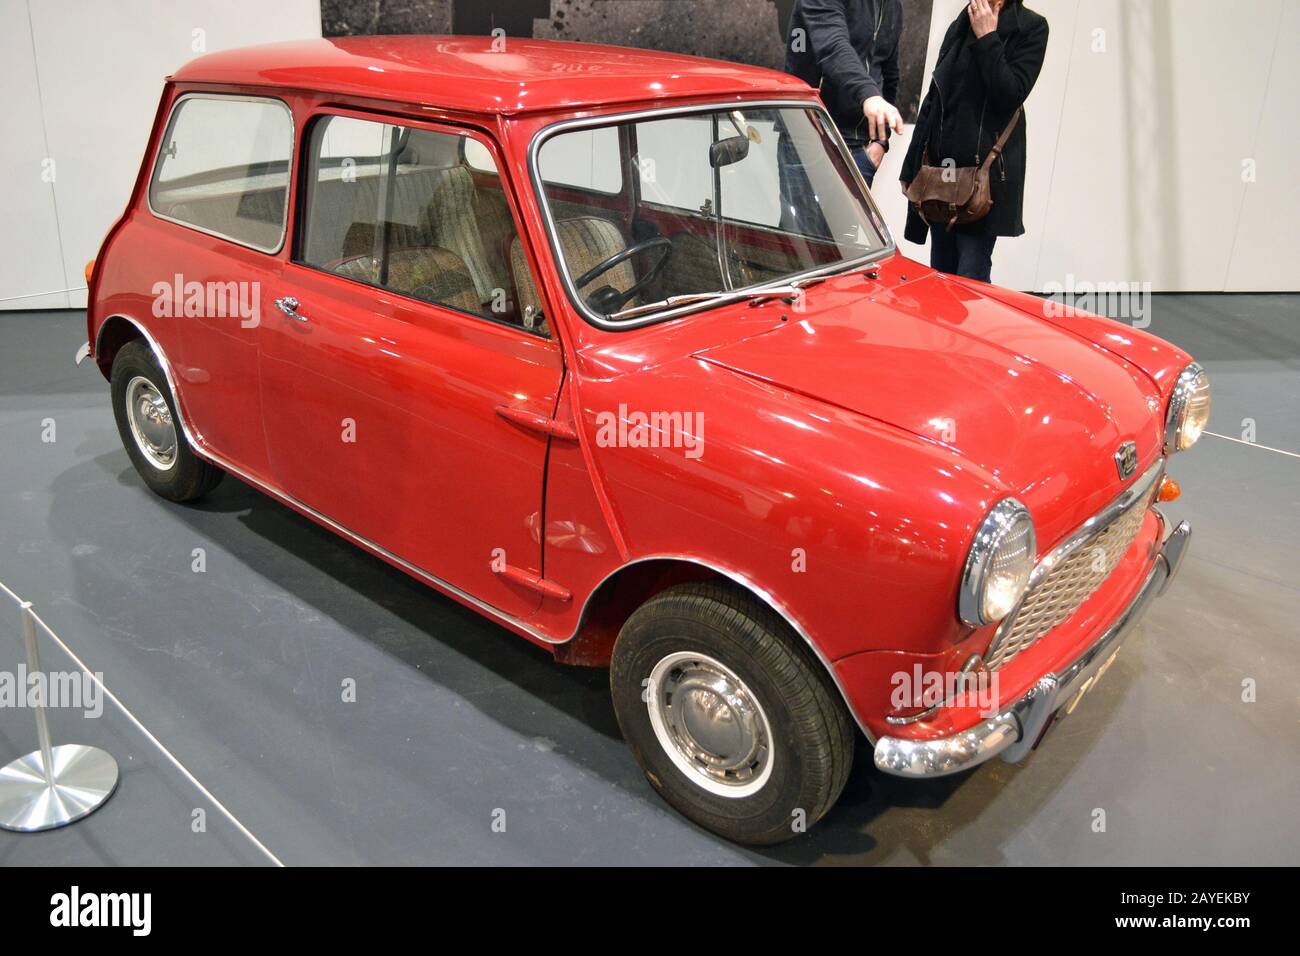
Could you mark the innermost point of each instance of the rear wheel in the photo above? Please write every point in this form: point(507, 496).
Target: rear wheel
point(730, 717)
point(146, 419)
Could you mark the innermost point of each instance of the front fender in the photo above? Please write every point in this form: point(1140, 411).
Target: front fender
point(858, 529)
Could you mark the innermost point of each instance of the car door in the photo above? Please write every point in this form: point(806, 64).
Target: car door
point(218, 195)
point(398, 365)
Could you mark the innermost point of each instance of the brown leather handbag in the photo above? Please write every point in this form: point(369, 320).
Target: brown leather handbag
point(956, 195)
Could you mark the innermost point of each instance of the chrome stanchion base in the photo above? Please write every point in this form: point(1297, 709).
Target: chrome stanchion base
point(84, 777)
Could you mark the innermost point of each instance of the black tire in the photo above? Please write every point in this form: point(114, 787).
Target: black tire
point(812, 733)
point(189, 477)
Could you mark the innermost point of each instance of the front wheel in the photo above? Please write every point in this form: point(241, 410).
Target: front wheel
point(730, 717)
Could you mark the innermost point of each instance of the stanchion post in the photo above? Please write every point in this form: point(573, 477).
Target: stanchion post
point(53, 786)
point(34, 667)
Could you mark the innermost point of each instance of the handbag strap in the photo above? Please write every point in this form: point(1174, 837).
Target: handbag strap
point(1002, 140)
point(993, 153)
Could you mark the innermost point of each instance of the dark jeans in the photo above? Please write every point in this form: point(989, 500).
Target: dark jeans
point(800, 211)
point(959, 254)
point(859, 153)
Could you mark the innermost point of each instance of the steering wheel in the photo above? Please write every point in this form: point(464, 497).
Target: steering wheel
point(607, 299)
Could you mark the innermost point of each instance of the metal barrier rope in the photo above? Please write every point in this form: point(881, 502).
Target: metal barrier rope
point(58, 776)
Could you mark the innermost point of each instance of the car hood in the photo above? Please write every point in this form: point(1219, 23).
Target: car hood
point(1039, 408)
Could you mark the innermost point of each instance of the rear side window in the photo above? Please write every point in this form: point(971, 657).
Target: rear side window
point(223, 168)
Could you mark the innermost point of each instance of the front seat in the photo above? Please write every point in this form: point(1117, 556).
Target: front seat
point(454, 225)
point(430, 273)
point(586, 242)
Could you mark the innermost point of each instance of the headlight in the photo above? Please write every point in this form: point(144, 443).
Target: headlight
point(999, 564)
point(1189, 409)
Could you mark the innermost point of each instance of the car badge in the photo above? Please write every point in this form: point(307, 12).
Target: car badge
point(1126, 459)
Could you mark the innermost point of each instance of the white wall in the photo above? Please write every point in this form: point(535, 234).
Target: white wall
point(82, 80)
point(1136, 147)
point(1135, 152)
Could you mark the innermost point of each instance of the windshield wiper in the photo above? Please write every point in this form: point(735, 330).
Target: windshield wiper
point(670, 303)
point(756, 296)
point(792, 288)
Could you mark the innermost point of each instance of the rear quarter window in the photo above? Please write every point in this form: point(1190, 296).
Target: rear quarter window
point(223, 168)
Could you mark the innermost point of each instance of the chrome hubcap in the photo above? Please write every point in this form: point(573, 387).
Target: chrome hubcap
point(151, 423)
point(710, 724)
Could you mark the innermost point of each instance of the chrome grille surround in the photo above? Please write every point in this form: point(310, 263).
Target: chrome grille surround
point(1070, 574)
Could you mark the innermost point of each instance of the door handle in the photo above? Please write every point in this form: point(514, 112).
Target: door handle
point(289, 306)
point(538, 422)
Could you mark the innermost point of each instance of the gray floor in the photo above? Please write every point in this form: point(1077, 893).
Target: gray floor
point(238, 671)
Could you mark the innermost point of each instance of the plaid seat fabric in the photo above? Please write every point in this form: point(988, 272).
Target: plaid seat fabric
point(693, 266)
point(454, 226)
point(586, 241)
point(496, 228)
point(433, 274)
point(363, 268)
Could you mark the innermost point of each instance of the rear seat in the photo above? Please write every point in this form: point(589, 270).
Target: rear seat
point(434, 208)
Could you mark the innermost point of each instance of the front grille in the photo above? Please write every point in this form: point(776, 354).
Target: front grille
point(1064, 588)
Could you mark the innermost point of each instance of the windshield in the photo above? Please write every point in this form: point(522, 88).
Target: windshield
point(693, 209)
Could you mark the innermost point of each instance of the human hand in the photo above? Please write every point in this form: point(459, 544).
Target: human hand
point(881, 117)
point(876, 152)
point(983, 16)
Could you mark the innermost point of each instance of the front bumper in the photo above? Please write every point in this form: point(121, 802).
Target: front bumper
point(1016, 730)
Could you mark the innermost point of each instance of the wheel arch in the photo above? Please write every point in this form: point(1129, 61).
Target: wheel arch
point(118, 330)
point(113, 333)
point(630, 585)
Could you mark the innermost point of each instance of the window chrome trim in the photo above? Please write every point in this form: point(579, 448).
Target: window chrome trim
point(988, 538)
point(1178, 399)
point(289, 172)
point(611, 119)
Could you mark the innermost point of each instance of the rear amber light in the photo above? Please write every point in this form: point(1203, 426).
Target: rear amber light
point(1169, 490)
point(90, 270)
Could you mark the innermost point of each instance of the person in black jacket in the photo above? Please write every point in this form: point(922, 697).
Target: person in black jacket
point(988, 62)
point(848, 49)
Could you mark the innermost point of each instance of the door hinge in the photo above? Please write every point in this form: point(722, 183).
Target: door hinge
point(535, 582)
point(537, 422)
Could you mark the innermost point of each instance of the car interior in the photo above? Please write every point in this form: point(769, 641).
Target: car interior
point(423, 213)
point(693, 203)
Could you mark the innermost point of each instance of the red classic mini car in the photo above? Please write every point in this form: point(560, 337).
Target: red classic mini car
point(614, 347)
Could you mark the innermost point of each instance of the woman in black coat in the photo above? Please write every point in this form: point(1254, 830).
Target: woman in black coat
point(988, 62)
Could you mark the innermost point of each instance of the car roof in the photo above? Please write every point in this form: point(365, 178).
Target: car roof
point(462, 73)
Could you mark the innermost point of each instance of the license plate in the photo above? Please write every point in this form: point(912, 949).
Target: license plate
point(1068, 708)
point(1089, 684)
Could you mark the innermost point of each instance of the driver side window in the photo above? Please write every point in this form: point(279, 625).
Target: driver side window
point(415, 212)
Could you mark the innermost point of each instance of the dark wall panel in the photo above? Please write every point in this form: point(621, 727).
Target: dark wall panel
point(744, 31)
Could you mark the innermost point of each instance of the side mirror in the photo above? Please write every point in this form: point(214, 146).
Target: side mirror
point(727, 151)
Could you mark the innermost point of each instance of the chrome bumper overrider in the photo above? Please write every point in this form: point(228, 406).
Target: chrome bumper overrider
point(1014, 732)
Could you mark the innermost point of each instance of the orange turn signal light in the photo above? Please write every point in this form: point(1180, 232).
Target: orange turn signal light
point(90, 270)
point(1169, 490)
